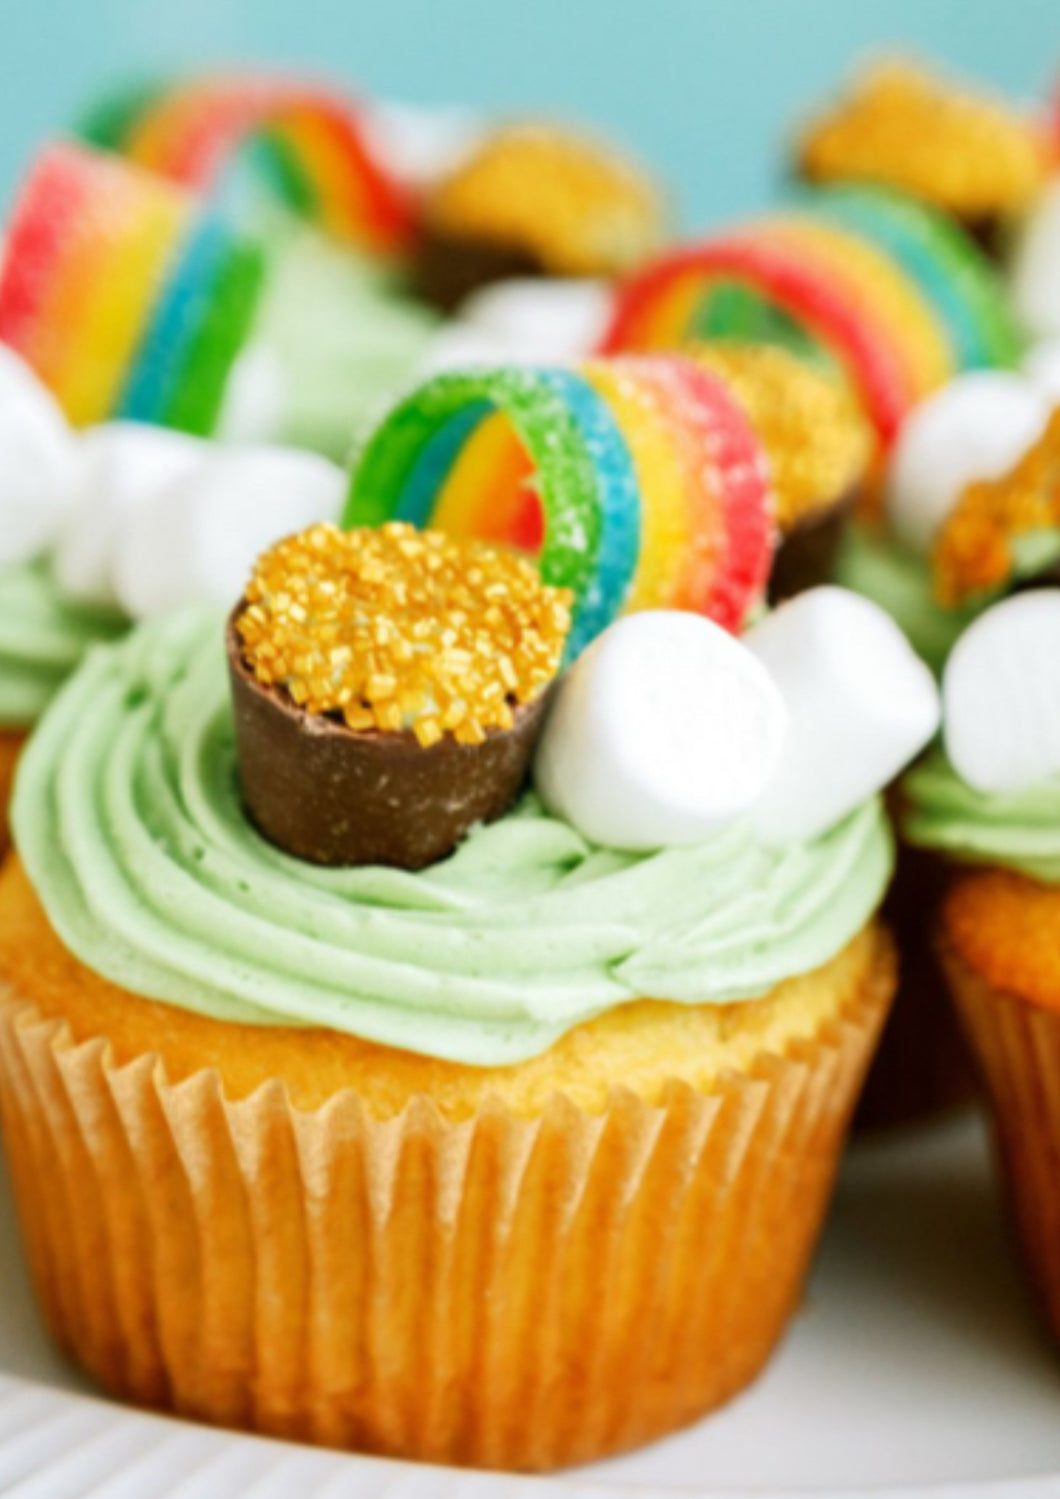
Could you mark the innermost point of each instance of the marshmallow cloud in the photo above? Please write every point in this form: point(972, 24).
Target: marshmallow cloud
point(1001, 695)
point(531, 321)
point(665, 730)
point(38, 460)
point(199, 538)
point(976, 427)
point(860, 705)
point(1035, 273)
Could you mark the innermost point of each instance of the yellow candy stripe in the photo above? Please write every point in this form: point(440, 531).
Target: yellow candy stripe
point(879, 285)
point(137, 236)
point(653, 439)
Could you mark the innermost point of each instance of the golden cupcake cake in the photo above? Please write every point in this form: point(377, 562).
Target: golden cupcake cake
point(416, 959)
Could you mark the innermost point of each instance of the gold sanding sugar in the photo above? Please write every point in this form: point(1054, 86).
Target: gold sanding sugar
point(819, 443)
point(578, 207)
point(974, 550)
point(903, 127)
point(397, 628)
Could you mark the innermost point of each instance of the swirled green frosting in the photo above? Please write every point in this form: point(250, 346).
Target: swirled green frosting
point(42, 639)
point(128, 818)
point(1019, 830)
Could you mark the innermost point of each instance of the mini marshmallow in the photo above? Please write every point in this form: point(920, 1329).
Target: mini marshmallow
point(665, 730)
point(1041, 365)
point(976, 427)
point(420, 145)
point(544, 319)
point(256, 398)
point(199, 541)
point(861, 704)
point(459, 346)
point(1001, 695)
point(122, 468)
point(37, 463)
point(1034, 283)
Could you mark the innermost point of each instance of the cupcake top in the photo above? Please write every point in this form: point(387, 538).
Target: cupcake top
point(900, 126)
point(574, 207)
point(818, 442)
point(991, 793)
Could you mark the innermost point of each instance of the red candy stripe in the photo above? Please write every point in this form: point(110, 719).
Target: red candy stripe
point(50, 203)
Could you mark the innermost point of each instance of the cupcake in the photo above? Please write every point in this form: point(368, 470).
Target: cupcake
point(363, 1132)
point(972, 157)
point(988, 805)
point(534, 199)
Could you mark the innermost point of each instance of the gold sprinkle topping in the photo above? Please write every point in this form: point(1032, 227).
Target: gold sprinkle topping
point(974, 550)
point(902, 127)
point(576, 206)
point(397, 628)
point(819, 443)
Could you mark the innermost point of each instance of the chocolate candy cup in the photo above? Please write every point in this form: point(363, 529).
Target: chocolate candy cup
point(807, 555)
point(333, 795)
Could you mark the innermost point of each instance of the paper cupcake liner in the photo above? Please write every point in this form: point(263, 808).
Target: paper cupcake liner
point(1017, 1047)
point(921, 1070)
point(10, 745)
point(503, 1292)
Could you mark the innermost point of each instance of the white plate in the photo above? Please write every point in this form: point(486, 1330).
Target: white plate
point(916, 1362)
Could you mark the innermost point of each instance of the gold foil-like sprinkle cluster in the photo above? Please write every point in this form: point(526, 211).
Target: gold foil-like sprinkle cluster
point(397, 629)
point(819, 443)
point(974, 551)
point(903, 128)
point(576, 206)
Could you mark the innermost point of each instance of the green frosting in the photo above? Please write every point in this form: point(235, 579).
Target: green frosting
point(347, 335)
point(42, 639)
point(1020, 830)
point(900, 582)
point(128, 818)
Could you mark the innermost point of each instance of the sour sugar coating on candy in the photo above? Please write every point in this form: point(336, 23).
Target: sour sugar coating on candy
point(38, 463)
point(974, 428)
point(1001, 695)
point(663, 732)
point(860, 703)
point(127, 297)
point(396, 629)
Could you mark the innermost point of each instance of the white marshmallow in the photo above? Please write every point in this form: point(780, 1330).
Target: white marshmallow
point(122, 467)
point(459, 346)
point(1041, 365)
point(1001, 695)
point(256, 398)
point(1034, 283)
point(662, 732)
point(974, 428)
point(37, 462)
point(861, 704)
point(199, 541)
point(420, 145)
point(543, 318)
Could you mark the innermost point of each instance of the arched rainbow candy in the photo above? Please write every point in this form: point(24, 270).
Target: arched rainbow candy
point(123, 293)
point(307, 142)
point(662, 308)
point(651, 487)
point(951, 271)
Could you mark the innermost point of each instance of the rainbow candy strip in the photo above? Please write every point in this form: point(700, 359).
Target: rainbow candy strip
point(125, 295)
point(889, 293)
point(639, 482)
point(308, 143)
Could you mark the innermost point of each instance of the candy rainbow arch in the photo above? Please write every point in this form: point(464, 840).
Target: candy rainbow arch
point(886, 291)
point(309, 142)
point(128, 297)
point(639, 483)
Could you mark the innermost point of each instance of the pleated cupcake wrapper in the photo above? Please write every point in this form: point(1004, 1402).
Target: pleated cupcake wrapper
point(1017, 1048)
point(500, 1291)
point(10, 746)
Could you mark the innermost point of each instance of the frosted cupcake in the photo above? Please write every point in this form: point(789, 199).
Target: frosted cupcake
point(989, 806)
point(366, 1135)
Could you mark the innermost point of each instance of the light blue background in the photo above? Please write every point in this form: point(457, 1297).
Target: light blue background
point(704, 88)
